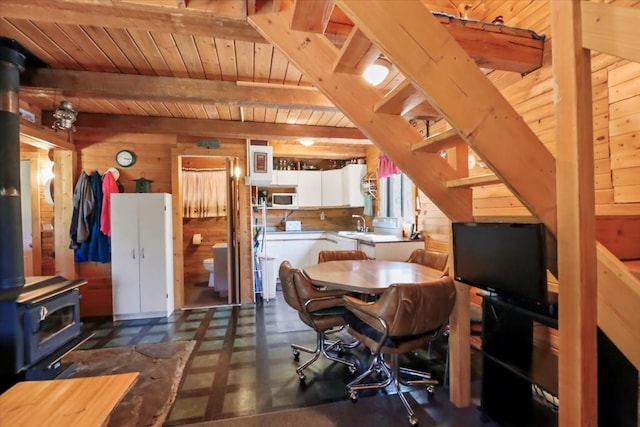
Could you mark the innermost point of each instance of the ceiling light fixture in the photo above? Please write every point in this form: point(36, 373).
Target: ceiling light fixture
point(307, 142)
point(377, 72)
point(64, 117)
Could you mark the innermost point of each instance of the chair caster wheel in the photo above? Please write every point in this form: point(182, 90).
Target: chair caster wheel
point(352, 370)
point(413, 421)
point(296, 355)
point(353, 396)
point(302, 377)
point(431, 390)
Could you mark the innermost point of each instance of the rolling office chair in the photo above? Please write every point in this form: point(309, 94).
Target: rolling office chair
point(430, 258)
point(440, 261)
point(322, 310)
point(406, 317)
point(324, 256)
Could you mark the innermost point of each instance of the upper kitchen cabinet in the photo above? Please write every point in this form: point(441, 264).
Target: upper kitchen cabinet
point(352, 176)
point(332, 187)
point(309, 188)
point(285, 177)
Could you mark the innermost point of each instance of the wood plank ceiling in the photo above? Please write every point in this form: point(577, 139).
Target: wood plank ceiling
point(196, 67)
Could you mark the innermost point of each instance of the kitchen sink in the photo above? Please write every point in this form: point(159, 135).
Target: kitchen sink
point(351, 233)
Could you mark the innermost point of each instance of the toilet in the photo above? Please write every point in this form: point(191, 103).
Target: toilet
point(208, 265)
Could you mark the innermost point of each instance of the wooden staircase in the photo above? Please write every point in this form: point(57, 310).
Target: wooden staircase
point(442, 80)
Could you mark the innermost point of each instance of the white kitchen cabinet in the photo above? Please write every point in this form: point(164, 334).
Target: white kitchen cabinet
point(391, 251)
point(315, 247)
point(337, 243)
point(352, 175)
point(309, 188)
point(332, 187)
point(285, 178)
point(141, 255)
point(296, 252)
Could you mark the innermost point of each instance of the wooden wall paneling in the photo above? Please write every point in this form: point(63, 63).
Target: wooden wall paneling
point(64, 167)
point(622, 90)
point(602, 181)
point(601, 148)
point(604, 197)
point(212, 230)
point(627, 176)
point(620, 235)
point(96, 294)
point(152, 162)
point(627, 194)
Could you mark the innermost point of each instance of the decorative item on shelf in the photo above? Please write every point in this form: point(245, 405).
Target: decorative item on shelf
point(125, 158)
point(143, 185)
point(64, 117)
point(368, 186)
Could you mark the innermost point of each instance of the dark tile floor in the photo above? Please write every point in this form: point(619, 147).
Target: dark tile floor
point(242, 363)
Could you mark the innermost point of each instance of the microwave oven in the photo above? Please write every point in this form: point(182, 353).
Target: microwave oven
point(284, 200)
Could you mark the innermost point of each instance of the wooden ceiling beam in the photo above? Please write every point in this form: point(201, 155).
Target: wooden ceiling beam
point(44, 138)
point(312, 16)
point(491, 46)
point(611, 29)
point(87, 84)
point(211, 128)
point(146, 17)
point(317, 150)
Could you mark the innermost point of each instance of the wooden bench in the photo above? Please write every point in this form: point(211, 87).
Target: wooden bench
point(82, 402)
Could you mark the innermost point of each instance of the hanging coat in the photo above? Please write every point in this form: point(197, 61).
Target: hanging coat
point(83, 211)
point(98, 248)
point(109, 186)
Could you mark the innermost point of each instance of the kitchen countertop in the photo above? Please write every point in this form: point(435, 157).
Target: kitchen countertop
point(364, 237)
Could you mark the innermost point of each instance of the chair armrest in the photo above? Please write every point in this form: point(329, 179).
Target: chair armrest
point(367, 312)
point(323, 302)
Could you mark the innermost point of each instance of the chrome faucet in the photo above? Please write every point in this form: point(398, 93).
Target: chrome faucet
point(361, 224)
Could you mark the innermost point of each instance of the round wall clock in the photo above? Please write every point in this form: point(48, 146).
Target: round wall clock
point(125, 158)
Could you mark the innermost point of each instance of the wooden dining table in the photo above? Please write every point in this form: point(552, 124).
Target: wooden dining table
point(368, 276)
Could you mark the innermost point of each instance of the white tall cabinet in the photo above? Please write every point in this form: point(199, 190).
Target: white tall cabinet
point(141, 255)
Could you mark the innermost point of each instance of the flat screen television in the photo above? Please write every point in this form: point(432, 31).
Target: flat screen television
point(506, 258)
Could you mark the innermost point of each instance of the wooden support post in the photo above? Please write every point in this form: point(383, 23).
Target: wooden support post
point(578, 391)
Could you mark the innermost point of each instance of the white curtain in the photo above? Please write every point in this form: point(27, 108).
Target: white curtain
point(204, 193)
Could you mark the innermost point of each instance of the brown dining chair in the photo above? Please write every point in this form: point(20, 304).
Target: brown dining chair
point(406, 317)
point(434, 259)
point(339, 255)
point(322, 310)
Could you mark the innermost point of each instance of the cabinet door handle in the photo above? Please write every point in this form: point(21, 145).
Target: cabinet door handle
point(142, 253)
point(133, 253)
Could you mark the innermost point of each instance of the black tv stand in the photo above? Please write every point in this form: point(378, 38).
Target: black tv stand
point(512, 365)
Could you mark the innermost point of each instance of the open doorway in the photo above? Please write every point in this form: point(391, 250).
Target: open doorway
point(208, 199)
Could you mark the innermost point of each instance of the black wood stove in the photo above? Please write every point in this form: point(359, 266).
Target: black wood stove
point(39, 323)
